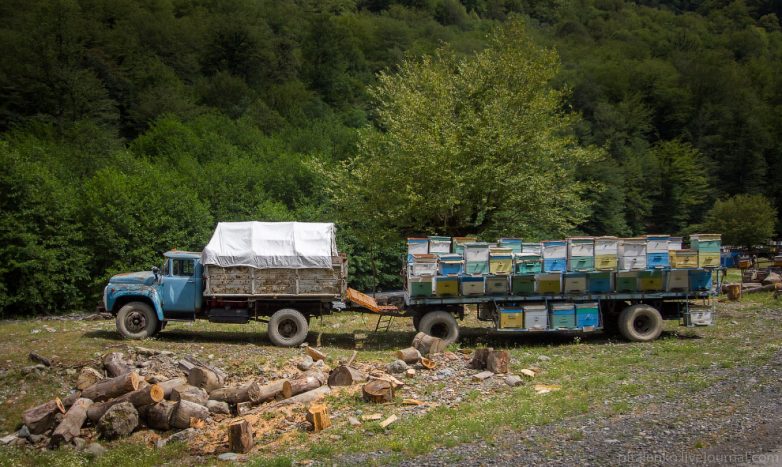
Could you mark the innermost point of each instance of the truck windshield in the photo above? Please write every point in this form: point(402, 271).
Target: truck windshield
point(165, 266)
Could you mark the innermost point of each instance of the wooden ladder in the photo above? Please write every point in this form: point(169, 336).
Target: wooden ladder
point(384, 323)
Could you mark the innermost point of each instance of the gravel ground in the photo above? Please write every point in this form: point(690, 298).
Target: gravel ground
point(735, 421)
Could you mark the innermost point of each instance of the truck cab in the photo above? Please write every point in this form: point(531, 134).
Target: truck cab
point(143, 301)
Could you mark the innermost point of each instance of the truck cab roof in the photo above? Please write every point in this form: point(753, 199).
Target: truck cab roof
point(182, 254)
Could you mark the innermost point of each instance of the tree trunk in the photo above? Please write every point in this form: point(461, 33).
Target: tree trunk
point(318, 416)
point(307, 382)
point(115, 365)
point(41, 418)
point(170, 384)
point(68, 400)
point(189, 393)
point(427, 344)
point(497, 361)
point(378, 391)
point(70, 427)
point(237, 394)
point(112, 387)
point(151, 394)
point(479, 359)
point(203, 378)
point(409, 355)
point(240, 435)
point(120, 420)
point(344, 375)
point(87, 377)
point(308, 396)
point(158, 415)
point(185, 411)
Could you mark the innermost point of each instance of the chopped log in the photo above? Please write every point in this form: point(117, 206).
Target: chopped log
point(68, 400)
point(344, 375)
point(39, 359)
point(427, 363)
point(237, 394)
point(218, 407)
point(189, 393)
point(240, 435)
point(409, 355)
point(352, 358)
point(307, 397)
point(112, 387)
point(315, 353)
point(482, 375)
point(479, 359)
point(170, 384)
point(307, 382)
point(203, 378)
point(396, 383)
point(41, 418)
point(70, 426)
point(280, 389)
point(410, 372)
point(765, 288)
point(87, 377)
point(497, 361)
point(318, 416)
point(377, 391)
point(243, 407)
point(119, 420)
point(191, 362)
point(148, 395)
point(427, 344)
point(159, 415)
point(115, 365)
point(185, 411)
point(388, 421)
point(185, 366)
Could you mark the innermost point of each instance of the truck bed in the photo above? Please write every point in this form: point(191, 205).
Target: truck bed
point(312, 283)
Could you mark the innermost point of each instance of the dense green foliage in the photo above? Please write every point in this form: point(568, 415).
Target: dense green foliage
point(743, 220)
point(128, 127)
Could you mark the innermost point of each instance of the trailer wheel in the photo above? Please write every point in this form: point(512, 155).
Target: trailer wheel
point(640, 323)
point(440, 324)
point(137, 320)
point(417, 321)
point(288, 328)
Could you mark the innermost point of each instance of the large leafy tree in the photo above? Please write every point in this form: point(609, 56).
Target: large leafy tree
point(468, 145)
point(743, 220)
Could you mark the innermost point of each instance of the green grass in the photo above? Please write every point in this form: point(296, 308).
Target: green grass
point(599, 377)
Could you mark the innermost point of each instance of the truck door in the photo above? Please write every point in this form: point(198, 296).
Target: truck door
point(180, 288)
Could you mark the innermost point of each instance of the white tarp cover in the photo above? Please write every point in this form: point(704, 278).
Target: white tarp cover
point(264, 245)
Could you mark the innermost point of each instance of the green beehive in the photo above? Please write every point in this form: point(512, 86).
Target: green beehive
point(523, 284)
point(563, 316)
point(549, 282)
point(420, 286)
point(627, 281)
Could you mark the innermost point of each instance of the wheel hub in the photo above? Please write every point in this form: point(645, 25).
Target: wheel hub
point(288, 328)
point(642, 324)
point(136, 321)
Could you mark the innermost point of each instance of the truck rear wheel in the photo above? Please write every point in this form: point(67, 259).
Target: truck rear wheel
point(640, 323)
point(288, 328)
point(137, 320)
point(440, 324)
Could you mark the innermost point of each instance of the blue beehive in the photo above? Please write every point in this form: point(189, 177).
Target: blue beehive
point(599, 282)
point(513, 243)
point(587, 315)
point(416, 246)
point(700, 280)
point(563, 316)
point(657, 260)
point(555, 265)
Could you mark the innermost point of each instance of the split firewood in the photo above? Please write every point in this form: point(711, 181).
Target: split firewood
point(170, 384)
point(189, 393)
point(68, 400)
point(159, 415)
point(112, 387)
point(204, 378)
point(148, 395)
point(352, 358)
point(87, 377)
point(482, 375)
point(377, 391)
point(70, 426)
point(427, 344)
point(386, 377)
point(344, 375)
point(480, 358)
point(41, 418)
point(310, 380)
point(497, 361)
point(318, 416)
point(409, 355)
point(240, 436)
point(427, 363)
point(115, 364)
point(315, 353)
point(185, 411)
point(527, 372)
point(34, 357)
point(388, 421)
point(243, 407)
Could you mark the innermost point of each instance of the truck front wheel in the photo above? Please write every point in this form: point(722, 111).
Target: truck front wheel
point(640, 323)
point(137, 320)
point(288, 328)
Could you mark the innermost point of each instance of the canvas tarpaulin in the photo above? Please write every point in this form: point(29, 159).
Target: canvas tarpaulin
point(265, 245)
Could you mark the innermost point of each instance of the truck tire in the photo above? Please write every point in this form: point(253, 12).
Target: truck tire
point(137, 320)
point(417, 321)
point(288, 328)
point(640, 323)
point(440, 324)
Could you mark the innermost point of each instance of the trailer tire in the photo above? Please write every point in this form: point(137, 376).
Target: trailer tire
point(440, 324)
point(640, 323)
point(137, 320)
point(417, 321)
point(288, 328)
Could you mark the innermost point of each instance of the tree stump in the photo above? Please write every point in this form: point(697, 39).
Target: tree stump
point(428, 345)
point(409, 355)
point(112, 387)
point(159, 415)
point(479, 358)
point(378, 391)
point(185, 411)
point(203, 378)
point(70, 426)
point(87, 377)
point(115, 365)
point(318, 416)
point(240, 435)
point(344, 375)
point(497, 361)
point(41, 418)
point(170, 384)
point(151, 394)
point(189, 393)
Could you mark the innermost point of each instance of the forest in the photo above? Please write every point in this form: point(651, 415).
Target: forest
point(128, 128)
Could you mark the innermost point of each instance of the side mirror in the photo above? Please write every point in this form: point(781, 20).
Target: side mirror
point(156, 272)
